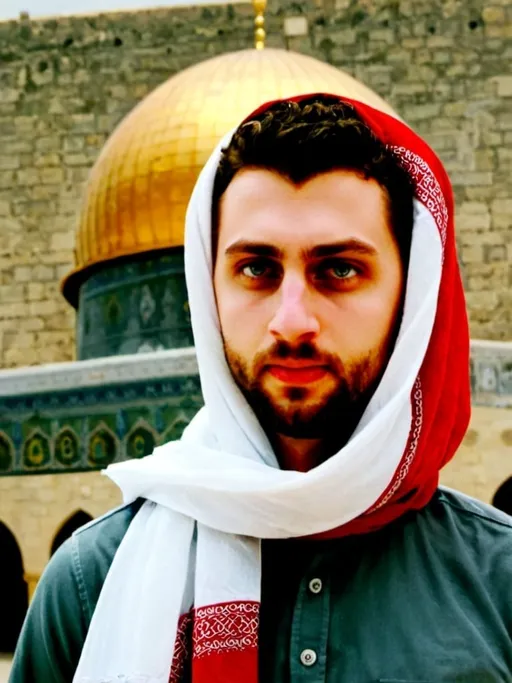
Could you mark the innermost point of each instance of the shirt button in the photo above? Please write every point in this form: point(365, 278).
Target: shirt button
point(315, 586)
point(308, 657)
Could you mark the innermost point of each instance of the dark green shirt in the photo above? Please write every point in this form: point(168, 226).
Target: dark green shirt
point(427, 599)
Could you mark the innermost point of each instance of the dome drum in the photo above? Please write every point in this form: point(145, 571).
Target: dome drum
point(134, 306)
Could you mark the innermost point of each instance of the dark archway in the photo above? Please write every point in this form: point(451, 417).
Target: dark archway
point(503, 497)
point(13, 591)
point(74, 522)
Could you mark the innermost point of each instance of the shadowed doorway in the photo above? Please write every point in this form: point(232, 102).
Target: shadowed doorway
point(73, 523)
point(13, 590)
point(503, 497)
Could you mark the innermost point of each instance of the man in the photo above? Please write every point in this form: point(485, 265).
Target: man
point(297, 533)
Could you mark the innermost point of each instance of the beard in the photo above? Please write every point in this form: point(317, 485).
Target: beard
point(292, 411)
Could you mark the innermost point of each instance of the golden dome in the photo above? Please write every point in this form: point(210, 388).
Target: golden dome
point(138, 190)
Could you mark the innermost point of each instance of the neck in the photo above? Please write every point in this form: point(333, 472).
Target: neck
point(301, 455)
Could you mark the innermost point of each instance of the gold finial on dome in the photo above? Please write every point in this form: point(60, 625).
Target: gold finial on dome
point(259, 22)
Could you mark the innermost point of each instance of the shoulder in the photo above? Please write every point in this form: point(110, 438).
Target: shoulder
point(91, 550)
point(468, 509)
point(475, 534)
point(56, 625)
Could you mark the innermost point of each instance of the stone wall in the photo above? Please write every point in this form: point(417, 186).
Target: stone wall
point(65, 83)
point(35, 509)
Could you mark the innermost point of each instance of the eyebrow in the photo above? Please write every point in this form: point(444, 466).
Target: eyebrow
point(318, 251)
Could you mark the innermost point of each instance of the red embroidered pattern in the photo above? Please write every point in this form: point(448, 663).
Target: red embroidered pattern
point(428, 188)
point(225, 627)
point(181, 648)
point(412, 445)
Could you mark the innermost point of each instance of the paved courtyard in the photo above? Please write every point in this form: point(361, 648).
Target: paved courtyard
point(5, 665)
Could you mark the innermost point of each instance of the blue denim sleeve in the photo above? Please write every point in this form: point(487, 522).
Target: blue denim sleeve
point(56, 624)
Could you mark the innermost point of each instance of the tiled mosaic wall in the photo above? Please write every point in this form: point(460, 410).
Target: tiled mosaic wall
point(64, 85)
point(88, 428)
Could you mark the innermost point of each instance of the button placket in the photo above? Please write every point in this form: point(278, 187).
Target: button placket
point(310, 627)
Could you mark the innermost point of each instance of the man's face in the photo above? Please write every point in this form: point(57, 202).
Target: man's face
point(308, 282)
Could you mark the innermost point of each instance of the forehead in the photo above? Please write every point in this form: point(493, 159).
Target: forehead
point(261, 205)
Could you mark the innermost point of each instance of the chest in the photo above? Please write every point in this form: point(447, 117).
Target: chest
point(340, 617)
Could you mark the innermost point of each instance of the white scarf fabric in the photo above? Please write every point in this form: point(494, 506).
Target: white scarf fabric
point(213, 495)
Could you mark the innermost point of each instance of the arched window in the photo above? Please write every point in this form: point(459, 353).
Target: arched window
point(13, 590)
point(503, 497)
point(73, 523)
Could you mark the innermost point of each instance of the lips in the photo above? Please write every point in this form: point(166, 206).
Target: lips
point(300, 374)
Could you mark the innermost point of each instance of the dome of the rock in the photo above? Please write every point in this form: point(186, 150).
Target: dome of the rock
point(138, 190)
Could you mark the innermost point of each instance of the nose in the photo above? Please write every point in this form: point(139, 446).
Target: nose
point(294, 320)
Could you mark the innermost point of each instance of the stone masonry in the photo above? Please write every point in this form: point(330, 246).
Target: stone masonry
point(65, 83)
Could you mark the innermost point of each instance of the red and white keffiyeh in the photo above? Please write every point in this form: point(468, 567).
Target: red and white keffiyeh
point(185, 582)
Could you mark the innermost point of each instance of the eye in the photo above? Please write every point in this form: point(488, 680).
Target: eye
point(254, 270)
point(259, 269)
point(337, 270)
point(342, 271)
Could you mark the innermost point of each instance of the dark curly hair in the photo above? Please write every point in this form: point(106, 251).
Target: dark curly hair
point(302, 139)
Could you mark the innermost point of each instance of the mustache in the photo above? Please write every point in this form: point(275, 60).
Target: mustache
point(282, 350)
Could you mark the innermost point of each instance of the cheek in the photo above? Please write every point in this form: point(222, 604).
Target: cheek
point(364, 320)
point(241, 319)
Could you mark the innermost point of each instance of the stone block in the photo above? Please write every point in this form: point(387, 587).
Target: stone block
point(62, 240)
point(52, 176)
point(472, 254)
point(477, 192)
point(13, 310)
point(502, 206)
point(504, 85)
point(22, 274)
point(82, 123)
point(12, 293)
point(493, 15)
point(10, 95)
point(42, 273)
point(35, 291)
point(421, 112)
point(504, 154)
point(19, 340)
point(5, 207)
point(28, 177)
point(409, 88)
point(383, 35)
point(78, 159)
point(7, 180)
point(471, 178)
point(31, 324)
point(501, 221)
point(53, 258)
point(46, 191)
point(494, 253)
point(9, 162)
point(295, 26)
point(43, 308)
point(472, 208)
point(73, 144)
point(48, 143)
point(45, 160)
point(476, 221)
